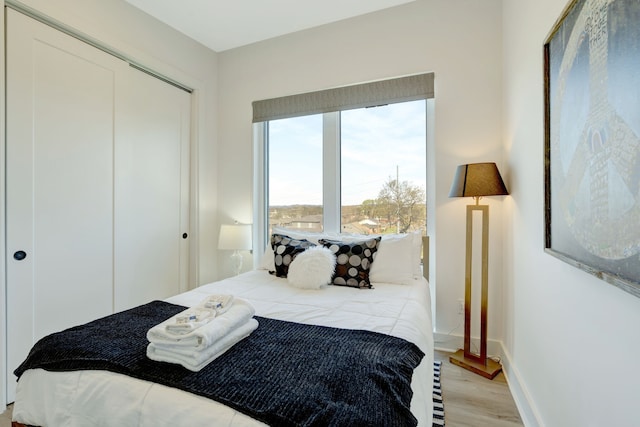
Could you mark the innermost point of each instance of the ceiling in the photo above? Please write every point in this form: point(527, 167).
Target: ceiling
point(226, 24)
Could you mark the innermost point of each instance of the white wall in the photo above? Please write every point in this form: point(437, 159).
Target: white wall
point(155, 45)
point(459, 40)
point(572, 339)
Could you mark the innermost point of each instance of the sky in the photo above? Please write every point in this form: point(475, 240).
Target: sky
point(376, 144)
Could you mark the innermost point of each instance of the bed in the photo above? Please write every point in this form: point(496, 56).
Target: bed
point(397, 305)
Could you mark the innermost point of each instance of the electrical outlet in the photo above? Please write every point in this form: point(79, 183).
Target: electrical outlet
point(460, 306)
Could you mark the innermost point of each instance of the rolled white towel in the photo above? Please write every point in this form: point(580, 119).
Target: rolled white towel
point(199, 315)
point(237, 314)
point(220, 303)
point(190, 320)
point(195, 360)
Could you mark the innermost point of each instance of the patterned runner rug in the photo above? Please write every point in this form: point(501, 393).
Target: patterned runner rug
point(438, 406)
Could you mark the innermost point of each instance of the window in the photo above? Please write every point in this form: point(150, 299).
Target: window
point(352, 165)
point(295, 172)
point(382, 170)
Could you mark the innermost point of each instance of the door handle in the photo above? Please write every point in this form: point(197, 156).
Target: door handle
point(19, 255)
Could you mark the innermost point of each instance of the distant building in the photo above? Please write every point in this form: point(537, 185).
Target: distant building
point(306, 223)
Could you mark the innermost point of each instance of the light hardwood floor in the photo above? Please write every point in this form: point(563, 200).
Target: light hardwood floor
point(469, 399)
point(474, 401)
point(5, 418)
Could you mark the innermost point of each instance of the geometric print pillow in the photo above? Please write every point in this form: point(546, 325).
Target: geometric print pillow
point(353, 261)
point(285, 250)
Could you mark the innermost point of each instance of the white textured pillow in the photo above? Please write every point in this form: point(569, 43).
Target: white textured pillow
point(312, 269)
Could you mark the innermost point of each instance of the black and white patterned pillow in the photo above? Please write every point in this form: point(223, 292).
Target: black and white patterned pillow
point(353, 261)
point(285, 250)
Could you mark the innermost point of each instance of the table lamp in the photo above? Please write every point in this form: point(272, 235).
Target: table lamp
point(235, 237)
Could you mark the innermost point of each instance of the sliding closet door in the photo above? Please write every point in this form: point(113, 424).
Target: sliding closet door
point(97, 185)
point(151, 190)
point(60, 131)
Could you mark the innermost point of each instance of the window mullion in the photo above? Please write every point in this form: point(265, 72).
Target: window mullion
point(331, 171)
point(261, 184)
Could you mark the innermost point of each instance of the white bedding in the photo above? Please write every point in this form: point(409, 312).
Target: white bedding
point(92, 398)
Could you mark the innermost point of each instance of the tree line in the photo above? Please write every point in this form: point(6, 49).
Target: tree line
point(399, 206)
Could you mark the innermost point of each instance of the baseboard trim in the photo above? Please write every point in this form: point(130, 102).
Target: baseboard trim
point(526, 407)
point(524, 402)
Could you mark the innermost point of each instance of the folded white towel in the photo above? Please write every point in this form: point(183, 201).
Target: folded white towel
point(196, 360)
point(237, 314)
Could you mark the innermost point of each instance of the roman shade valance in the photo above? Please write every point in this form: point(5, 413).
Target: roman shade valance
point(402, 89)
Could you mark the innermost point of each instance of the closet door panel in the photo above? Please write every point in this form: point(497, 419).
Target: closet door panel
point(60, 121)
point(151, 190)
point(72, 189)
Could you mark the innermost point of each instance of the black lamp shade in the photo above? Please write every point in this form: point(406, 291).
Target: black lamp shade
point(477, 180)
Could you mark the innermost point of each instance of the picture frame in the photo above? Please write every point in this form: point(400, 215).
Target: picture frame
point(592, 140)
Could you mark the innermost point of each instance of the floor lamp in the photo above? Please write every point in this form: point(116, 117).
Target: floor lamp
point(477, 180)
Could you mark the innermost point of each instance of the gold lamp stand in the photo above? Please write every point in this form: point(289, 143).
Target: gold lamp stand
point(477, 180)
point(478, 363)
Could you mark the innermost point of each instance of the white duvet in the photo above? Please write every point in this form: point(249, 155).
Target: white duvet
point(99, 398)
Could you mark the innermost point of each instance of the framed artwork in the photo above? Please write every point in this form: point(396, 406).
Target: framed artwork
point(592, 139)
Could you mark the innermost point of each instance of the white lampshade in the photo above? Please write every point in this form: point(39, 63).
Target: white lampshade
point(235, 237)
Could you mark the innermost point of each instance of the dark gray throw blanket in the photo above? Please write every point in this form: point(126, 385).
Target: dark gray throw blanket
point(284, 373)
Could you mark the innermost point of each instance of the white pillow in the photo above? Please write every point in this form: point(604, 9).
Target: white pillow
point(312, 269)
point(313, 237)
point(394, 261)
point(268, 259)
point(417, 254)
